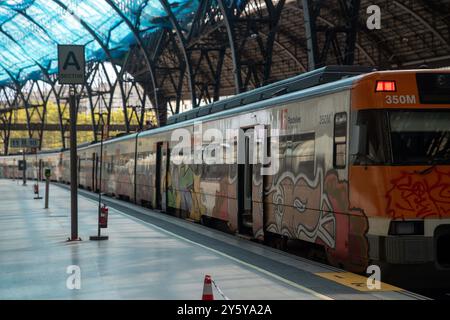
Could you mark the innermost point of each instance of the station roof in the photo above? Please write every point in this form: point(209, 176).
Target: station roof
point(31, 29)
point(413, 33)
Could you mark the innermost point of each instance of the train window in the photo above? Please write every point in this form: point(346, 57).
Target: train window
point(284, 151)
point(434, 88)
point(303, 152)
point(340, 141)
point(376, 141)
point(420, 137)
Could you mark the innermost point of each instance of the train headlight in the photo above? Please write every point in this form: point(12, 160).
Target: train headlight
point(404, 228)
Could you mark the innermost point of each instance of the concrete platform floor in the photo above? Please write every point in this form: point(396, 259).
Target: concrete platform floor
point(149, 255)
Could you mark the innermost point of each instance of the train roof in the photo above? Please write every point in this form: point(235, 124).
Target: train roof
point(316, 82)
point(303, 81)
point(326, 88)
point(320, 81)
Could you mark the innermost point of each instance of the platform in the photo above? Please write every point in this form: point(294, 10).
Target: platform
point(149, 255)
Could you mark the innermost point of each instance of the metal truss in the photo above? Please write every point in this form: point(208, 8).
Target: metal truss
point(188, 59)
point(318, 53)
point(223, 48)
point(8, 100)
point(33, 96)
point(192, 58)
point(99, 94)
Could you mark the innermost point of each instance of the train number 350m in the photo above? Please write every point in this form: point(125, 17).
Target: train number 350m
point(401, 99)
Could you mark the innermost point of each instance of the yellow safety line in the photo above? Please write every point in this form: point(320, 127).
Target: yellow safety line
point(356, 281)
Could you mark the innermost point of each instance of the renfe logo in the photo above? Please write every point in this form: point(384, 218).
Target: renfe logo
point(249, 146)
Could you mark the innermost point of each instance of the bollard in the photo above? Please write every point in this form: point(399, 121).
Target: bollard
point(36, 191)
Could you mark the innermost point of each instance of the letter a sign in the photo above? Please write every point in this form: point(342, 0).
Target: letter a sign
point(71, 62)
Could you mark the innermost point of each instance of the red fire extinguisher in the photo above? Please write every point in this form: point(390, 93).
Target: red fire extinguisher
point(103, 219)
point(36, 189)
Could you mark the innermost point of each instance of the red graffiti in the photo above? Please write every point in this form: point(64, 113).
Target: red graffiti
point(419, 195)
point(352, 248)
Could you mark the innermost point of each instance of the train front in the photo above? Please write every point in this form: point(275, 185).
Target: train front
point(400, 173)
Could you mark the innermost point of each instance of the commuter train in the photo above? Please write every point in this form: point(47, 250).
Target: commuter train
point(360, 159)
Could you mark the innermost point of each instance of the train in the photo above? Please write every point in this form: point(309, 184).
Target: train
point(355, 162)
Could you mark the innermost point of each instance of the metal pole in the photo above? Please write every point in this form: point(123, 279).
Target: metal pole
point(99, 237)
point(38, 178)
point(73, 165)
point(100, 188)
point(47, 187)
point(24, 171)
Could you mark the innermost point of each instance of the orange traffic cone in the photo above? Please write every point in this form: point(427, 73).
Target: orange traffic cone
point(207, 289)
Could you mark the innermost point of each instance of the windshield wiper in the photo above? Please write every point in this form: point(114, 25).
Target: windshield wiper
point(434, 163)
point(427, 170)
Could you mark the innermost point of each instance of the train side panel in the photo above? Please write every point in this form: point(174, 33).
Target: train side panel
point(118, 168)
point(145, 171)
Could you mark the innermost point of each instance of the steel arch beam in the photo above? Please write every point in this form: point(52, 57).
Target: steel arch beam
point(351, 11)
point(139, 41)
point(423, 22)
point(26, 16)
point(43, 70)
point(46, 75)
point(183, 47)
point(19, 93)
point(105, 49)
point(358, 46)
point(6, 140)
point(232, 41)
point(311, 13)
point(287, 51)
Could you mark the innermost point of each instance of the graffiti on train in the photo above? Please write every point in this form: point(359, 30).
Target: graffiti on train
point(419, 194)
point(317, 210)
point(197, 190)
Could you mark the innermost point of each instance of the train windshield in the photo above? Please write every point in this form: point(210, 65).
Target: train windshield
point(402, 137)
point(420, 137)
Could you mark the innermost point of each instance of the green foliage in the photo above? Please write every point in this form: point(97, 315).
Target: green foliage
point(53, 139)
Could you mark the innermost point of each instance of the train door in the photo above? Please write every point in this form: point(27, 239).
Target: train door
point(161, 175)
point(245, 188)
point(158, 175)
point(255, 144)
point(262, 148)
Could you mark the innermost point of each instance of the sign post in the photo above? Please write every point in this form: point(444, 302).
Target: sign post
point(102, 210)
point(23, 144)
point(24, 169)
point(38, 178)
point(72, 65)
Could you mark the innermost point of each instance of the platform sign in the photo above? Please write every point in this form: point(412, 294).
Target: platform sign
point(71, 64)
point(24, 143)
point(22, 165)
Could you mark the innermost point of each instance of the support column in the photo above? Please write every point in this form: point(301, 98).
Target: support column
point(73, 165)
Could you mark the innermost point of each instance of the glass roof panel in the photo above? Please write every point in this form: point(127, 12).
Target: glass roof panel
point(30, 30)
